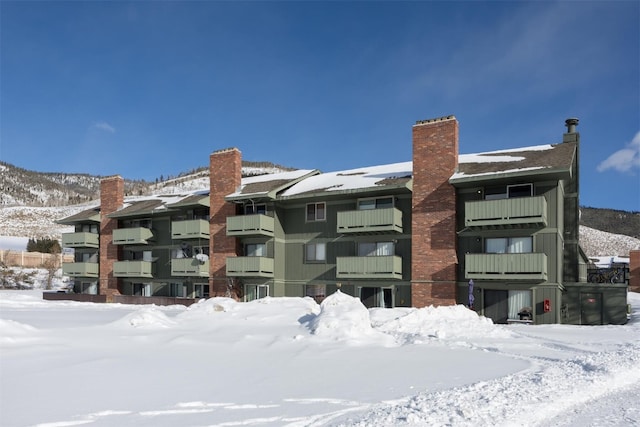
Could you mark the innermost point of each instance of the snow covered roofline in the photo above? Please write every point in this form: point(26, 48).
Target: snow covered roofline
point(267, 186)
point(547, 159)
point(384, 177)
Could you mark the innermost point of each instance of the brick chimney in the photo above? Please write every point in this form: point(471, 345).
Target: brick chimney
point(111, 199)
point(433, 212)
point(225, 170)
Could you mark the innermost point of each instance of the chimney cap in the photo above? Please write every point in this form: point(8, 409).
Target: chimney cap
point(571, 124)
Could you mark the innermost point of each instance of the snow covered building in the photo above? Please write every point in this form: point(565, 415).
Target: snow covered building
point(496, 231)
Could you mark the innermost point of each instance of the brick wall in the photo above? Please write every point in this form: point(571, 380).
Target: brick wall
point(111, 199)
point(433, 242)
point(634, 271)
point(225, 167)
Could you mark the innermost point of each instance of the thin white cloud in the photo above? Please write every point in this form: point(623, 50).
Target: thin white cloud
point(104, 126)
point(624, 160)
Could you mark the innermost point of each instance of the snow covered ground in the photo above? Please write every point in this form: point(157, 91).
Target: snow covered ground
point(291, 362)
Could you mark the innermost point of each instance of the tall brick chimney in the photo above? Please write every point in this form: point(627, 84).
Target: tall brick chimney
point(111, 199)
point(433, 212)
point(225, 175)
point(634, 271)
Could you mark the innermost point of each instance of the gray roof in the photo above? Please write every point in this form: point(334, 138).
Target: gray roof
point(556, 160)
point(89, 215)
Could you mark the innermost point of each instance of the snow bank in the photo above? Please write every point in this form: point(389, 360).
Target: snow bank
point(416, 326)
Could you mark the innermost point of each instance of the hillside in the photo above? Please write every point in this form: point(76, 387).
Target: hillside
point(22, 187)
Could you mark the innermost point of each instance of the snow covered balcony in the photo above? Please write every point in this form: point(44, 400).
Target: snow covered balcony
point(250, 225)
point(388, 220)
point(142, 269)
point(524, 266)
point(189, 267)
point(506, 213)
point(132, 236)
point(80, 240)
point(190, 229)
point(250, 266)
point(369, 267)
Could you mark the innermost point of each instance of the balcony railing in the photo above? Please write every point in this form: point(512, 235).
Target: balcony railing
point(250, 266)
point(133, 269)
point(250, 225)
point(81, 269)
point(189, 267)
point(190, 229)
point(505, 213)
point(388, 220)
point(529, 266)
point(132, 236)
point(369, 267)
point(80, 240)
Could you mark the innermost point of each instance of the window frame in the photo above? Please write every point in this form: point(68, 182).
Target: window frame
point(508, 244)
point(375, 203)
point(314, 214)
point(315, 259)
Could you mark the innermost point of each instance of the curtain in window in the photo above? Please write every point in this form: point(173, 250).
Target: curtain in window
point(517, 301)
point(384, 249)
point(520, 245)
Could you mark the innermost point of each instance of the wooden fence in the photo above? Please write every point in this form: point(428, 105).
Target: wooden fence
point(32, 259)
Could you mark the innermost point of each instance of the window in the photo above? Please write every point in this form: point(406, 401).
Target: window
point(201, 290)
point(89, 288)
point(315, 252)
point(509, 245)
point(316, 211)
point(253, 292)
point(520, 305)
point(379, 203)
point(508, 192)
point(255, 249)
point(142, 289)
point(317, 292)
point(376, 249)
point(178, 290)
point(252, 209)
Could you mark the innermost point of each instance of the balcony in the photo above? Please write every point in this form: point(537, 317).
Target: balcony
point(80, 240)
point(190, 229)
point(189, 267)
point(388, 220)
point(250, 225)
point(529, 266)
point(133, 269)
point(81, 269)
point(132, 236)
point(506, 213)
point(250, 266)
point(369, 267)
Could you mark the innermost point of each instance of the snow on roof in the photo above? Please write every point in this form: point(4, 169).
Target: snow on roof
point(367, 177)
point(556, 158)
point(263, 184)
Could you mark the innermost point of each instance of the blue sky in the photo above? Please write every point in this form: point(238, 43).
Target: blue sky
point(148, 88)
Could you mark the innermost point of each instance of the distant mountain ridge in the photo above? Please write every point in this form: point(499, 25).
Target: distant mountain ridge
point(24, 188)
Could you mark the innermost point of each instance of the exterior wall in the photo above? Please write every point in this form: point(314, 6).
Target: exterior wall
point(111, 199)
point(634, 271)
point(293, 232)
point(433, 213)
point(225, 169)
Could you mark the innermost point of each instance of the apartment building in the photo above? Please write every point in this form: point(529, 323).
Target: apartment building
point(495, 231)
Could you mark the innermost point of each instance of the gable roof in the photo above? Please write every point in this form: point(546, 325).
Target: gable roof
point(88, 215)
point(372, 178)
point(556, 160)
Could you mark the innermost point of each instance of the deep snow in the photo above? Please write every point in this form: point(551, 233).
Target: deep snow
point(291, 362)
